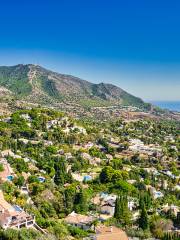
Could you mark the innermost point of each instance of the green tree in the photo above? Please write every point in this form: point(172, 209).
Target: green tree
point(122, 213)
point(106, 174)
point(9, 234)
point(19, 181)
point(60, 171)
point(36, 188)
point(143, 220)
point(81, 204)
point(145, 199)
point(1, 167)
point(59, 230)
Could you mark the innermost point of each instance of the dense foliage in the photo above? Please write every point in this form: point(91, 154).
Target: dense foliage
point(62, 150)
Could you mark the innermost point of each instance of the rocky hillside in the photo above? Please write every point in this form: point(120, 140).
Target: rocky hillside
point(35, 84)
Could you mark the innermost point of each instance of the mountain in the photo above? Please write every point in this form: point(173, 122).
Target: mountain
point(33, 83)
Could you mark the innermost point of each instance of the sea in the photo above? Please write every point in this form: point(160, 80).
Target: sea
point(170, 105)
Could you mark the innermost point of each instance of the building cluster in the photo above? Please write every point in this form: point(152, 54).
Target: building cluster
point(102, 232)
point(13, 216)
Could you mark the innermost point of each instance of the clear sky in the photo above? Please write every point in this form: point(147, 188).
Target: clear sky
point(134, 44)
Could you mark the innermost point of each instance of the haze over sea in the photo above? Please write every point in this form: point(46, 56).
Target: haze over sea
point(171, 105)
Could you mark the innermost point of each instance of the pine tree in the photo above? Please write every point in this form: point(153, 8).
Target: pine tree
point(122, 213)
point(60, 170)
point(145, 199)
point(81, 204)
point(69, 197)
point(143, 220)
point(117, 211)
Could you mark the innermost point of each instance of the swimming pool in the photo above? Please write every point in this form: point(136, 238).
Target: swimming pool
point(10, 177)
point(41, 179)
point(17, 208)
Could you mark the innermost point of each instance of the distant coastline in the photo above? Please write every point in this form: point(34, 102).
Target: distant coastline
point(170, 105)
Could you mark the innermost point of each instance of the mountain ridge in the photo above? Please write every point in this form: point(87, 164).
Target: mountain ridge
point(39, 85)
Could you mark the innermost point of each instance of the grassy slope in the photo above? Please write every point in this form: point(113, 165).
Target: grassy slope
point(15, 79)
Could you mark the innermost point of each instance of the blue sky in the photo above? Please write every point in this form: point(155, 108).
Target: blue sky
point(133, 44)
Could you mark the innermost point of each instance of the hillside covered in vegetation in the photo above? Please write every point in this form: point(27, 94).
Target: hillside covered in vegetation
point(38, 85)
point(123, 174)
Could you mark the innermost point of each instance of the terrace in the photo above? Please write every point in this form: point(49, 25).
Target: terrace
point(13, 216)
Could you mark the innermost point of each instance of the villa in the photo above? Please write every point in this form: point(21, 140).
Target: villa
point(156, 194)
point(13, 216)
point(78, 220)
point(137, 145)
point(172, 208)
point(7, 174)
point(8, 152)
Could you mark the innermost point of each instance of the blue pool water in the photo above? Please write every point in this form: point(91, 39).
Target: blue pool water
point(41, 179)
point(10, 177)
point(17, 208)
point(87, 178)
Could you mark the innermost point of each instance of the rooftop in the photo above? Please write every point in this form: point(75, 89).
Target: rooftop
point(74, 218)
point(110, 233)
